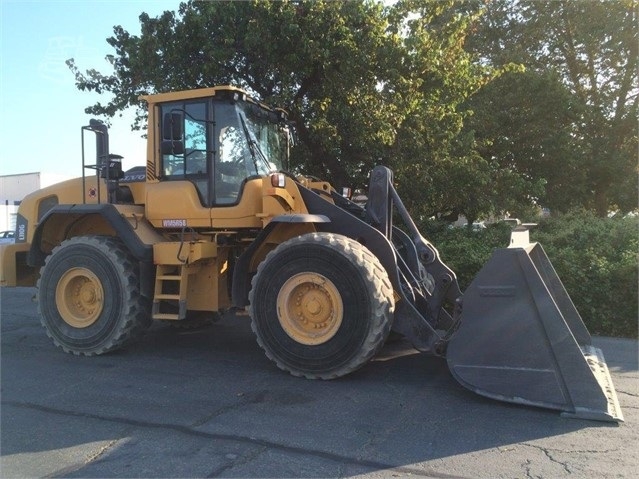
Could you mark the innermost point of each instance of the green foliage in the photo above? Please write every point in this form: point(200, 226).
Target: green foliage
point(524, 123)
point(595, 258)
point(466, 250)
point(416, 85)
point(366, 83)
point(583, 55)
point(432, 159)
point(322, 61)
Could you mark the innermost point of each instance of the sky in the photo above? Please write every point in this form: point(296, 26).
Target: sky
point(41, 110)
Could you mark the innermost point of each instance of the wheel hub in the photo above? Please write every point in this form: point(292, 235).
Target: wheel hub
point(310, 308)
point(79, 297)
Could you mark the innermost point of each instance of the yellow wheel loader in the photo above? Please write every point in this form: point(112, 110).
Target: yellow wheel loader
point(214, 223)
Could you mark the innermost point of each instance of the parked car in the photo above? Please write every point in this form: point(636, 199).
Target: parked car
point(7, 237)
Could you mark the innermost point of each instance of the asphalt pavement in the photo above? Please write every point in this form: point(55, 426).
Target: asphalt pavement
point(207, 403)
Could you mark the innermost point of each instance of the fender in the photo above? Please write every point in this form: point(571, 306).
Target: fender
point(122, 228)
point(345, 223)
point(330, 218)
point(241, 277)
point(409, 320)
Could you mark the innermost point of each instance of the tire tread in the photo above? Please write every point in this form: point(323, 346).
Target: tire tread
point(377, 283)
point(137, 315)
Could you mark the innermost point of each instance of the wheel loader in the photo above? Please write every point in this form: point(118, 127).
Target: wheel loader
point(215, 222)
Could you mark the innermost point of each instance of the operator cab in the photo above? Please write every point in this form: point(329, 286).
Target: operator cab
point(219, 141)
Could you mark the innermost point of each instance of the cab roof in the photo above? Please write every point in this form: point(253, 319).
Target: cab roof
point(225, 90)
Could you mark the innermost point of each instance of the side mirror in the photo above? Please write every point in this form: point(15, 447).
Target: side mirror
point(172, 126)
point(169, 147)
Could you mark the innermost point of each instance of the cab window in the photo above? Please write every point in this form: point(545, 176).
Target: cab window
point(191, 160)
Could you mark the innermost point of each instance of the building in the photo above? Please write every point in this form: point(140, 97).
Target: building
point(15, 187)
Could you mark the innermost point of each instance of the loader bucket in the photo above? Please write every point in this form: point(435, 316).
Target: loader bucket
point(521, 340)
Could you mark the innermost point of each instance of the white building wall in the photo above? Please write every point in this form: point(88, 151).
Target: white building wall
point(12, 189)
point(8, 217)
point(15, 187)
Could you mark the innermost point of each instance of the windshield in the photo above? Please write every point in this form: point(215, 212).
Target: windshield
point(250, 140)
point(267, 134)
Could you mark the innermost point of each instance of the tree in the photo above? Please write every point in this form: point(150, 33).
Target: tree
point(428, 82)
point(319, 60)
point(589, 50)
point(365, 84)
point(524, 122)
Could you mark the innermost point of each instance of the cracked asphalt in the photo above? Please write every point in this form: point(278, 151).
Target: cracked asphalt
point(208, 403)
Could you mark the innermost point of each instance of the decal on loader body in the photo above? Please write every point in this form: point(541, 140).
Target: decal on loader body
point(173, 223)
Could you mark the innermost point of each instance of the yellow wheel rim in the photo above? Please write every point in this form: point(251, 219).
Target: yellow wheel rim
point(310, 308)
point(79, 297)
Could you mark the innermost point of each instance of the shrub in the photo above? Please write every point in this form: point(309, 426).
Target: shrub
point(465, 251)
point(595, 258)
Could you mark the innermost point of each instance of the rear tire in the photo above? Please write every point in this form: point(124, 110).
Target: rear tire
point(321, 305)
point(89, 296)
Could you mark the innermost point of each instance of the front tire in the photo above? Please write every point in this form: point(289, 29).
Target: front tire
point(89, 296)
point(321, 305)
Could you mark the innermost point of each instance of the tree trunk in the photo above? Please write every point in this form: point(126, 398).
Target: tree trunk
point(601, 201)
